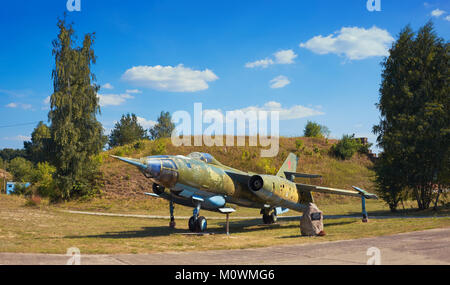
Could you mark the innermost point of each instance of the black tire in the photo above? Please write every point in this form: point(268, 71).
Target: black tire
point(157, 189)
point(200, 224)
point(192, 223)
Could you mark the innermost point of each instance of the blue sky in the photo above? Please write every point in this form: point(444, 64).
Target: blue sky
point(312, 60)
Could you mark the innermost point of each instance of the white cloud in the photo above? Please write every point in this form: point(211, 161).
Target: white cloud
point(168, 78)
point(46, 100)
point(113, 99)
point(19, 105)
point(437, 13)
point(107, 86)
point(146, 124)
point(133, 91)
point(279, 82)
point(294, 112)
point(447, 18)
point(263, 63)
point(353, 42)
point(18, 138)
point(281, 57)
point(285, 56)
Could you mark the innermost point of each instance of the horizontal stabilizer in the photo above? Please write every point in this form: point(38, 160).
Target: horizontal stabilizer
point(365, 193)
point(320, 189)
point(302, 175)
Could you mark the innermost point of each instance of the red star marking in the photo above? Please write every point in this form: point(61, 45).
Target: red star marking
point(289, 164)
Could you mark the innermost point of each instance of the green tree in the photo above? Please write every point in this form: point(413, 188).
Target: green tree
point(8, 153)
point(314, 130)
point(21, 169)
point(163, 127)
point(346, 147)
point(76, 135)
point(37, 149)
point(414, 130)
point(126, 131)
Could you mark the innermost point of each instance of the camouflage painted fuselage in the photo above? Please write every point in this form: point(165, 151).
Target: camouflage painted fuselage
point(200, 174)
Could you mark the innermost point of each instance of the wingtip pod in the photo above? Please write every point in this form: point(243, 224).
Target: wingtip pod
point(365, 193)
point(131, 161)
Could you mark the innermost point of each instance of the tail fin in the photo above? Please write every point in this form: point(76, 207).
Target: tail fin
point(289, 165)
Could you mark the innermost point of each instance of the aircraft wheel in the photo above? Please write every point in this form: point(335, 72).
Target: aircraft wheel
point(191, 224)
point(201, 224)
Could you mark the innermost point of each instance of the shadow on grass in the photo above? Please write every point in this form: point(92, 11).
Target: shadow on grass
point(144, 232)
point(246, 226)
point(411, 212)
point(324, 226)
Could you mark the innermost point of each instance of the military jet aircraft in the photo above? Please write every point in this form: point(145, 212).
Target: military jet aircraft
point(200, 181)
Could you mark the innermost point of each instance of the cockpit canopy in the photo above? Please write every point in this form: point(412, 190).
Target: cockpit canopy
point(206, 157)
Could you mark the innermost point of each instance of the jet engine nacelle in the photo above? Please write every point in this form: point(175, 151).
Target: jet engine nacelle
point(267, 187)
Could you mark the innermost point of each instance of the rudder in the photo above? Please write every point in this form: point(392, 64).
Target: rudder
point(289, 165)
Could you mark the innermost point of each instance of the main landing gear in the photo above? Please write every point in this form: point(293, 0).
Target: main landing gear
point(197, 223)
point(269, 218)
point(172, 218)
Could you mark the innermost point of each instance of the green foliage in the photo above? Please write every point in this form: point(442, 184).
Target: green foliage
point(266, 165)
point(299, 144)
point(163, 127)
point(37, 150)
point(414, 130)
point(245, 155)
point(21, 169)
point(346, 147)
point(316, 149)
point(140, 145)
point(159, 148)
point(76, 135)
point(8, 154)
point(314, 130)
point(126, 131)
point(43, 179)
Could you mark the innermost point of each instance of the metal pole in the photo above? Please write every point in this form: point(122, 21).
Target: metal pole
point(365, 218)
point(228, 224)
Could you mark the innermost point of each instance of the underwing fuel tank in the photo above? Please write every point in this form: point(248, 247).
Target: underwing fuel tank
point(276, 191)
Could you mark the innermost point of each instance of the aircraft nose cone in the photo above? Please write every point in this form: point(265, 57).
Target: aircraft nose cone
point(154, 167)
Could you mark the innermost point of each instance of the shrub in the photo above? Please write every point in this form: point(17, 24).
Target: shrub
point(266, 165)
point(299, 145)
point(346, 147)
point(159, 148)
point(45, 185)
point(245, 155)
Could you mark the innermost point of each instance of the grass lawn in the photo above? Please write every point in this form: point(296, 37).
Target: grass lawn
point(47, 229)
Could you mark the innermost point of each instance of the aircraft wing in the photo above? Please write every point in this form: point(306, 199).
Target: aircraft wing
point(239, 177)
point(357, 192)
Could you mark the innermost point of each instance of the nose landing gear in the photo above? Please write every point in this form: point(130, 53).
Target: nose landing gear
point(197, 223)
